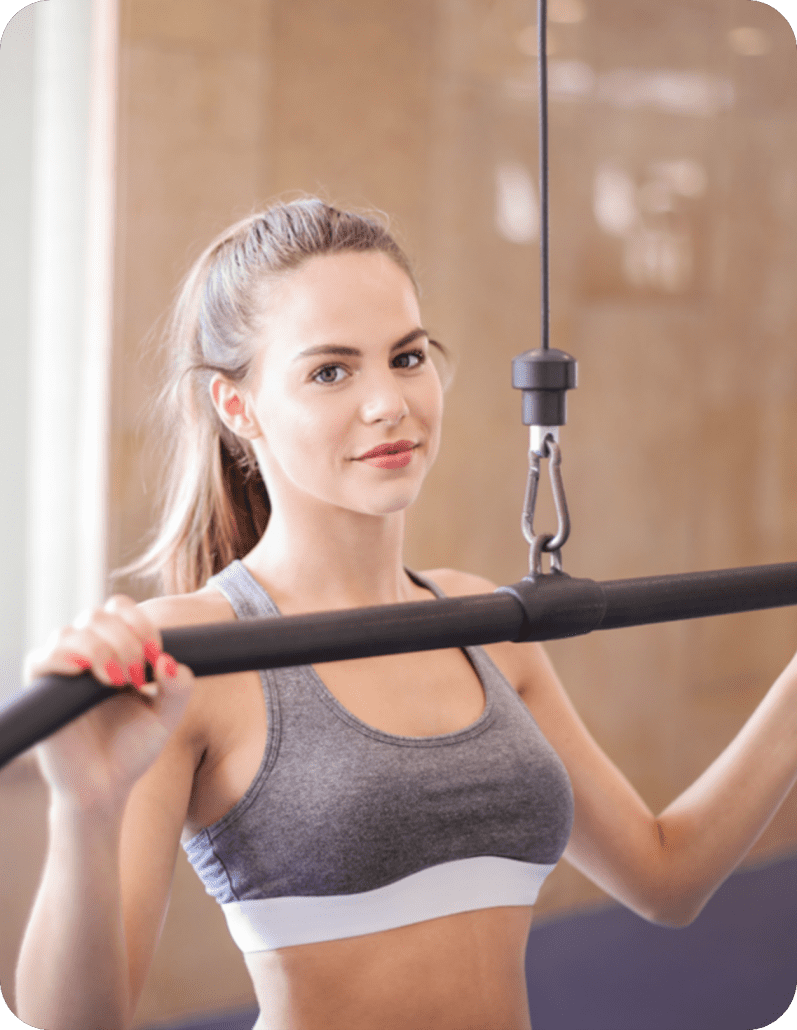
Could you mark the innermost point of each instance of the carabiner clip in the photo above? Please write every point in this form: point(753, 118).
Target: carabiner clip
point(550, 542)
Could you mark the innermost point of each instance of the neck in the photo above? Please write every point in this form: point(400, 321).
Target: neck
point(345, 560)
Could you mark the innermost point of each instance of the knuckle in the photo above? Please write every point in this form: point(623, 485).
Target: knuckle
point(88, 617)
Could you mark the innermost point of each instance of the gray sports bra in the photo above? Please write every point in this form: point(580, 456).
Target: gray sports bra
point(347, 830)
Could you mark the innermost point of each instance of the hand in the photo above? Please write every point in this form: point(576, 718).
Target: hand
point(97, 758)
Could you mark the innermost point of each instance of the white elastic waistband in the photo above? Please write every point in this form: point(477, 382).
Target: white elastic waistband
point(461, 886)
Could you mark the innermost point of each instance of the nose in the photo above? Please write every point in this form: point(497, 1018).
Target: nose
point(384, 401)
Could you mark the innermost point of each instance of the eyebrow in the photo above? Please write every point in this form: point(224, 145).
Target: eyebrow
point(341, 350)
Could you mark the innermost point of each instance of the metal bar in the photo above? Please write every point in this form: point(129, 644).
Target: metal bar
point(650, 599)
point(541, 608)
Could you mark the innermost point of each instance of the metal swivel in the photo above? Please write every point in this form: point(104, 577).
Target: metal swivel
point(545, 376)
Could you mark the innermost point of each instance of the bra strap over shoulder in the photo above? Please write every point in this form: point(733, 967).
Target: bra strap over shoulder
point(248, 598)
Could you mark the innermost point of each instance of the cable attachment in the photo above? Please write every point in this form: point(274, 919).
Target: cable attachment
point(550, 542)
point(545, 375)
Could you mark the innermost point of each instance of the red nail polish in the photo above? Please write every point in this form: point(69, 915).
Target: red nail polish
point(152, 652)
point(136, 673)
point(171, 667)
point(114, 673)
point(83, 663)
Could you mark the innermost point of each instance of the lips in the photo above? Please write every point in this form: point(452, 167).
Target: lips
point(388, 448)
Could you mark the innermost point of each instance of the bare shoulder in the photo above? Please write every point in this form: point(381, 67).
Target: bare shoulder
point(201, 606)
point(456, 584)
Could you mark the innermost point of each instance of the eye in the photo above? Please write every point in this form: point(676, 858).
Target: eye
point(328, 375)
point(409, 359)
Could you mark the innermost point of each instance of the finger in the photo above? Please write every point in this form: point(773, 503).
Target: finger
point(115, 650)
point(141, 644)
point(41, 662)
point(132, 636)
point(106, 648)
point(171, 689)
point(140, 623)
point(87, 650)
point(114, 642)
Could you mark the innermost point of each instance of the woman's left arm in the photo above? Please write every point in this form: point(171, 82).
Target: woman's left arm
point(664, 868)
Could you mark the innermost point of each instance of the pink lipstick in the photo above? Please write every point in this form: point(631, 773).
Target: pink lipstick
point(390, 455)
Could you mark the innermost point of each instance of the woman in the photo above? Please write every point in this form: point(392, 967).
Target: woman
point(375, 830)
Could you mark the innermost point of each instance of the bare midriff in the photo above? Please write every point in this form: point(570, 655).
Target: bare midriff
point(459, 972)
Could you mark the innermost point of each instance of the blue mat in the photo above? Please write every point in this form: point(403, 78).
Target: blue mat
point(243, 1019)
point(734, 968)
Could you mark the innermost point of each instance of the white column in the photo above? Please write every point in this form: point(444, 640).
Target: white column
point(16, 155)
point(75, 101)
point(93, 440)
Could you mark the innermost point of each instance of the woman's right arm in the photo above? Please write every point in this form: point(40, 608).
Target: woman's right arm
point(120, 779)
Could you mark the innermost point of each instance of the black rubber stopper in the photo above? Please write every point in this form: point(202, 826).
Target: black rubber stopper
point(544, 376)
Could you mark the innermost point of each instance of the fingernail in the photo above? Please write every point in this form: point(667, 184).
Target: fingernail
point(84, 663)
point(136, 673)
point(152, 652)
point(171, 667)
point(114, 673)
point(150, 689)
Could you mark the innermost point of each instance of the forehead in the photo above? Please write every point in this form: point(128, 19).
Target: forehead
point(350, 292)
point(358, 299)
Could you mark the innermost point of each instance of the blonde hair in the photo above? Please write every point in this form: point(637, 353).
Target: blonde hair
point(214, 506)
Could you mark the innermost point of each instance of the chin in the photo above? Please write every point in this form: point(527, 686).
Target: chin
point(395, 510)
point(392, 507)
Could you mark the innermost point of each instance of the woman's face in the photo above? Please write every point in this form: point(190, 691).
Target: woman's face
point(345, 368)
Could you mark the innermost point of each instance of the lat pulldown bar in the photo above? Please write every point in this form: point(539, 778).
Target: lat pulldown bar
point(537, 608)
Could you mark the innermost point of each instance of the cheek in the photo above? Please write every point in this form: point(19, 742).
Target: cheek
point(286, 425)
point(431, 402)
point(299, 432)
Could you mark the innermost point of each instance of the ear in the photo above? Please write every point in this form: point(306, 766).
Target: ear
point(234, 407)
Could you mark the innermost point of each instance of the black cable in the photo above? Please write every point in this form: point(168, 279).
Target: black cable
point(542, 61)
